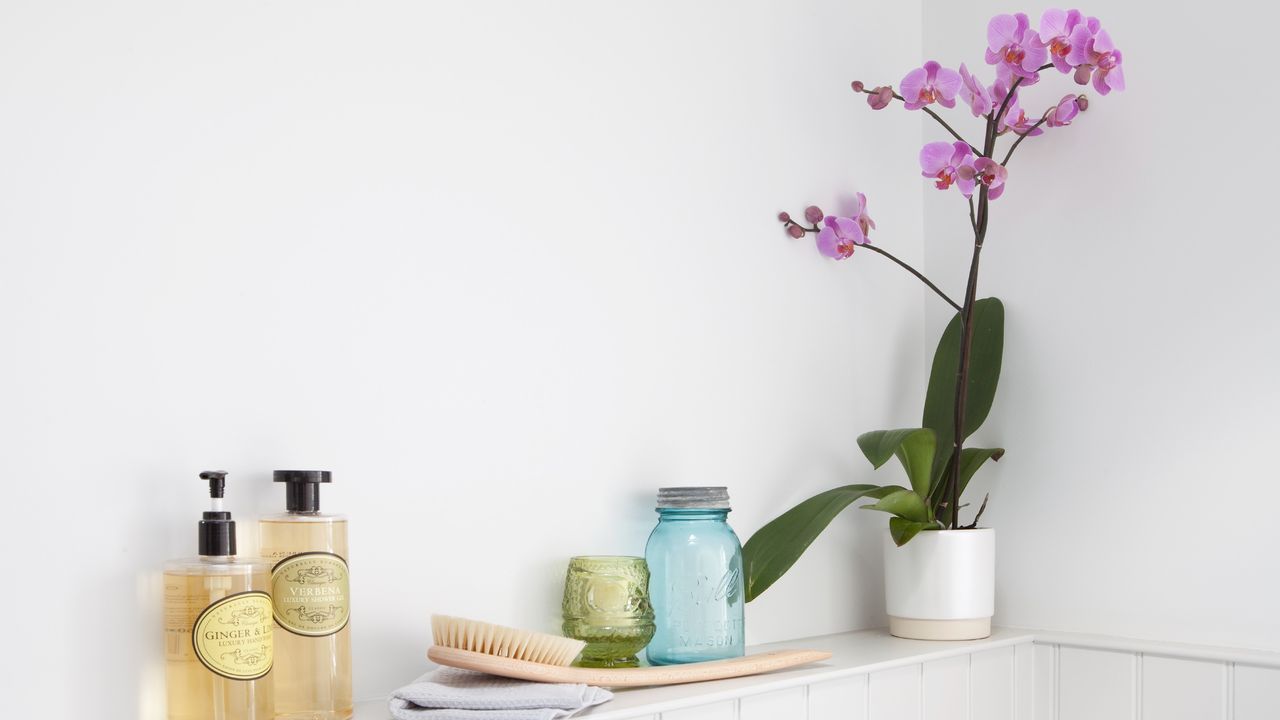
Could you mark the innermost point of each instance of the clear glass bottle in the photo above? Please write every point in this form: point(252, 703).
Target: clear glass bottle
point(218, 634)
point(695, 585)
point(311, 595)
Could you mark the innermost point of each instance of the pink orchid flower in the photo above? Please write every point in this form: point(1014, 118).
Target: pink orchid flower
point(974, 93)
point(1014, 47)
point(1064, 112)
point(1056, 33)
point(880, 98)
point(1099, 58)
point(1014, 117)
point(999, 90)
point(928, 84)
point(988, 172)
point(840, 236)
point(949, 164)
point(863, 219)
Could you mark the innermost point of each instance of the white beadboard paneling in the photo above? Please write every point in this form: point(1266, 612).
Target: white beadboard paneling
point(946, 689)
point(1024, 675)
point(1095, 684)
point(991, 691)
point(843, 699)
point(1044, 683)
point(727, 710)
point(1257, 693)
point(895, 694)
point(1175, 689)
point(789, 703)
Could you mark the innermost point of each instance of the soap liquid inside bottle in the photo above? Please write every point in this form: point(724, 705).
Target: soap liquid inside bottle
point(194, 691)
point(312, 674)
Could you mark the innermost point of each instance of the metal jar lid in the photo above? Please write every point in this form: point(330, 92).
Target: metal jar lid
point(715, 498)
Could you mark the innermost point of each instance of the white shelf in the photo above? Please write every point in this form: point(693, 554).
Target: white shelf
point(1024, 667)
point(853, 653)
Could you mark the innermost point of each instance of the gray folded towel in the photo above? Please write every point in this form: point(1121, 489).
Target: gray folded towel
point(452, 694)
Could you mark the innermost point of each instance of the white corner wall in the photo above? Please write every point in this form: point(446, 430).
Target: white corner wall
point(1135, 254)
point(504, 267)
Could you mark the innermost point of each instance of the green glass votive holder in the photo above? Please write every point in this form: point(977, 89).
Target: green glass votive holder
point(606, 605)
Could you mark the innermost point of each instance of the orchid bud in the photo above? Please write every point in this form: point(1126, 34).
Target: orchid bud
point(1082, 102)
point(880, 98)
point(813, 214)
point(784, 217)
point(858, 86)
point(795, 231)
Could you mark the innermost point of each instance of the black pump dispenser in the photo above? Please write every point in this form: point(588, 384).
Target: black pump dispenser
point(302, 488)
point(217, 533)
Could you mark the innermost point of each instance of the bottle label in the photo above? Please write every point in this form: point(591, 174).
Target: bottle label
point(232, 637)
point(309, 593)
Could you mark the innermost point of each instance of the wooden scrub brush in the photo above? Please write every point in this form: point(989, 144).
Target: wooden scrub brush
point(539, 657)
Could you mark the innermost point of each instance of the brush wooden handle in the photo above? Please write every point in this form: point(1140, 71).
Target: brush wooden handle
point(625, 677)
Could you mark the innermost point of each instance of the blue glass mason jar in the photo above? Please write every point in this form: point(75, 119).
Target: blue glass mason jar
point(695, 578)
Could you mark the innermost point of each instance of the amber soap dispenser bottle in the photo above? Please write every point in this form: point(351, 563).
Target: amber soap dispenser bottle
point(217, 624)
point(311, 602)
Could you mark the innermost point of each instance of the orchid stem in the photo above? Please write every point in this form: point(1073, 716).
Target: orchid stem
point(993, 122)
point(979, 221)
point(966, 346)
point(941, 122)
point(944, 124)
point(1021, 137)
point(919, 275)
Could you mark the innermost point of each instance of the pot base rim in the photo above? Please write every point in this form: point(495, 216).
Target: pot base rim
point(919, 629)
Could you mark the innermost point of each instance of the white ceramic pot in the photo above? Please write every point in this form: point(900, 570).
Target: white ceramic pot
point(941, 585)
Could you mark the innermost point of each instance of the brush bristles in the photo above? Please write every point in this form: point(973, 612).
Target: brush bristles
point(490, 639)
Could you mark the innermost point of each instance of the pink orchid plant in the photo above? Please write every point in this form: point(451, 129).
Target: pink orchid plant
point(966, 366)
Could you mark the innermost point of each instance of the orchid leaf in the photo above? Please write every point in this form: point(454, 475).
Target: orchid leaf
point(914, 448)
point(902, 530)
point(774, 548)
point(880, 445)
point(970, 460)
point(905, 504)
point(973, 458)
point(985, 356)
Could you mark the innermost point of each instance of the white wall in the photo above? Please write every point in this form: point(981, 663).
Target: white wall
point(1135, 252)
point(504, 267)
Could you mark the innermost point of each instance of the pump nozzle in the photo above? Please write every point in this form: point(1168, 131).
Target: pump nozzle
point(217, 482)
point(217, 529)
